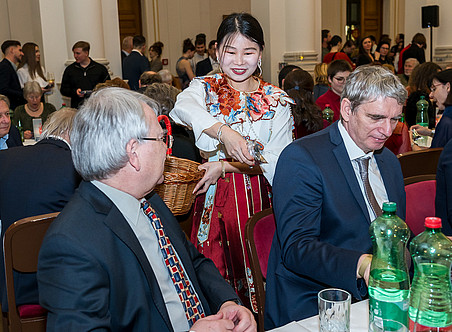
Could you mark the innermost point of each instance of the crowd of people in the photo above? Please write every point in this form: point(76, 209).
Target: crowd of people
point(260, 146)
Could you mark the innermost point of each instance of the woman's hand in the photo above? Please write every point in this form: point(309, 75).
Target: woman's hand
point(235, 146)
point(211, 176)
point(28, 134)
point(421, 130)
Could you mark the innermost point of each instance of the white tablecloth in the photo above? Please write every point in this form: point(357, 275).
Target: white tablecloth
point(359, 321)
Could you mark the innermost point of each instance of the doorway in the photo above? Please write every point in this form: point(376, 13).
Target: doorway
point(129, 18)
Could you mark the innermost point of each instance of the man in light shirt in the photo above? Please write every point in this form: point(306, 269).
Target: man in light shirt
point(327, 189)
point(209, 64)
point(114, 260)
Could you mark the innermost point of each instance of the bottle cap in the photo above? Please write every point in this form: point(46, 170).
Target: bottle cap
point(389, 207)
point(422, 97)
point(327, 105)
point(433, 222)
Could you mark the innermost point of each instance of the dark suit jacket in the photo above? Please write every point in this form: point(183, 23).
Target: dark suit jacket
point(14, 138)
point(443, 199)
point(133, 66)
point(203, 67)
point(10, 85)
point(322, 224)
point(34, 180)
point(93, 273)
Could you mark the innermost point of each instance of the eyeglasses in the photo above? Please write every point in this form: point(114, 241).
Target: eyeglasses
point(167, 139)
point(384, 48)
point(434, 87)
point(340, 79)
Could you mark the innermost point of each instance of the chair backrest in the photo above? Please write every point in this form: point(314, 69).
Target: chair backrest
point(259, 231)
point(417, 164)
point(22, 243)
point(420, 203)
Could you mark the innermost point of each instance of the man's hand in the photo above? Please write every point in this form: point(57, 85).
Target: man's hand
point(421, 130)
point(243, 318)
point(363, 268)
point(79, 93)
point(213, 323)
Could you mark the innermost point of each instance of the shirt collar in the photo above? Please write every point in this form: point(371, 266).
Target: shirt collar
point(14, 65)
point(353, 150)
point(128, 205)
point(3, 145)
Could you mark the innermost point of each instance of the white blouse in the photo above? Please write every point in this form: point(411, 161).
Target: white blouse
point(24, 77)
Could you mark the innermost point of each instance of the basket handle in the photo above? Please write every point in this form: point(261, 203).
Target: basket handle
point(165, 119)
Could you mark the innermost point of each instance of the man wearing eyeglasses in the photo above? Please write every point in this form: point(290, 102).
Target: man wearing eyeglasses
point(337, 71)
point(116, 259)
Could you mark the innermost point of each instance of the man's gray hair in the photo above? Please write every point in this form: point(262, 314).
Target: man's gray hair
point(103, 126)
point(59, 123)
point(166, 76)
point(368, 83)
point(5, 99)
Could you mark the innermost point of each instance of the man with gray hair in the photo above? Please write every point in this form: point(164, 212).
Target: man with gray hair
point(114, 260)
point(327, 189)
point(35, 180)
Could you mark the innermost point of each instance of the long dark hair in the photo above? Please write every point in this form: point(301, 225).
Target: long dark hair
point(242, 23)
point(188, 45)
point(421, 76)
point(299, 86)
point(29, 58)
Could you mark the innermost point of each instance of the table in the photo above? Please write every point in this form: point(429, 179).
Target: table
point(359, 321)
point(27, 142)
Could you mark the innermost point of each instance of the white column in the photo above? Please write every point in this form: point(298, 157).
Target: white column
point(292, 30)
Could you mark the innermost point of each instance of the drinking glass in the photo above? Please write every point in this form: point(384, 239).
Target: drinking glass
point(51, 79)
point(334, 310)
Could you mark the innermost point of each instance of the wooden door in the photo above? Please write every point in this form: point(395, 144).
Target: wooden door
point(129, 18)
point(371, 18)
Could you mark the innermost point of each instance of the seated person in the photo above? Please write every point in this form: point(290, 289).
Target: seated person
point(114, 260)
point(148, 78)
point(9, 134)
point(33, 109)
point(328, 187)
point(338, 71)
point(35, 180)
point(443, 199)
point(117, 82)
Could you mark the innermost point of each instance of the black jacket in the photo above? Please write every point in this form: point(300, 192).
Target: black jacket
point(76, 77)
point(9, 84)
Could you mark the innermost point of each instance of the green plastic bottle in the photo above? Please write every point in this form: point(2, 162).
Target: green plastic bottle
point(430, 296)
point(21, 131)
point(422, 112)
point(328, 114)
point(389, 281)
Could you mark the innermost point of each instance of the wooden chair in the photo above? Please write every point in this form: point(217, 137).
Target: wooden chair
point(22, 242)
point(259, 231)
point(419, 165)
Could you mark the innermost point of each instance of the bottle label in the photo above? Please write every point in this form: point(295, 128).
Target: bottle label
point(388, 315)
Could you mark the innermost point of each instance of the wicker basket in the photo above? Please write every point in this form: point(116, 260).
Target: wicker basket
point(180, 178)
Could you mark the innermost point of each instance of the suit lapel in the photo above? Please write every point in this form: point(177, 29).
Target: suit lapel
point(345, 164)
point(120, 227)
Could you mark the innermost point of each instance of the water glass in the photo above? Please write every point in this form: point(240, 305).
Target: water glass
point(334, 310)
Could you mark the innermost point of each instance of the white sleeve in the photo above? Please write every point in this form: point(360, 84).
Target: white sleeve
point(281, 136)
point(23, 76)
point(190, 110)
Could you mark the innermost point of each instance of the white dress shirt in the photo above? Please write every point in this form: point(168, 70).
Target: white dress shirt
point(375, 179)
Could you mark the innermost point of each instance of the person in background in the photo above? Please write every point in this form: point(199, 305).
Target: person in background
point(184, 139)
point(155, 54)
point(34, 180)
point(394, 53)
point(419, 85)
point(443, 198)
point(365, 55)
point(209, 64)
point(166, 76)
point(30, 68)
point(408, 67)
point(337, 71)
point(127, 46)
point(33, 109)
point(183, 67)
point(80, 77)
point(349, 48)
point(116, 82)
point(200, 47)
point(148, 78)
point(382, 52)
point(307, 116)
point(9, 134)
point(440, 93)
point(232, 115)
point(320, 79)
point(117, 241)
point(320, 242)
point(416, 49)
point(283, 73)
point(136, 63)
point(335, 54)
point(326, 38)
point(9, 81)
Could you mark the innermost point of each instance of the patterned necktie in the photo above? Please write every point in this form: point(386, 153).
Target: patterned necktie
point(190, 302)
point(363, 164)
